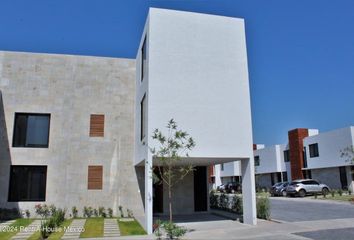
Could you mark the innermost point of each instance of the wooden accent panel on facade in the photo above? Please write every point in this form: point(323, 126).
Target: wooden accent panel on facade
point(296, 148)
point(97, 125)
point(95, 176)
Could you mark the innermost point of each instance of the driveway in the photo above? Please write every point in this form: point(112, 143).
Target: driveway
point(304, 209)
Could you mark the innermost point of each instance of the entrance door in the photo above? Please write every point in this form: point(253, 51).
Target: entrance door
point(200, 189)
point(158, 194)
point(343, 177)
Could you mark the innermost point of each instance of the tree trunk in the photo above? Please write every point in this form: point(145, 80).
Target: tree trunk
point(170, 202)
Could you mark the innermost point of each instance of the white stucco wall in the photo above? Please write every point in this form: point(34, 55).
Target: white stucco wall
point(270, 160)
point(329, 146)
point(198, 76)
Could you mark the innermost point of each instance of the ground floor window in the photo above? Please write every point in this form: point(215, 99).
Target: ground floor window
point(27, 183)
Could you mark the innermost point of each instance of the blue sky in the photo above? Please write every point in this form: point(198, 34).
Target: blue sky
point(301, 53)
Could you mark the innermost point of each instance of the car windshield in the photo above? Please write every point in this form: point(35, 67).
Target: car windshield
point(293, 183)
point(277, 184)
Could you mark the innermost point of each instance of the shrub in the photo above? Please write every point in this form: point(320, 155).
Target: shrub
point(263, 209)
point(121, 211)
point(340, 192)
point(349, 192)
point(110, 212)
point(87, 212)
point(223, 201)
point(42, 210)
point(58, 217)
point(27, 213)
point(315, 194)
point(47, 228)
point(237, 204)
point(74, 212)
point(52, 209)
point(157, 228)
point(95, 212)
point(333, 193)
point(130, 213)
point(102, 212)
point(213, 200)
point(173, 231)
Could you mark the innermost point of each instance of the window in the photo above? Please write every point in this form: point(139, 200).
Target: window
point(95, 175)
point(313, 150)
point(142, 117)
point(304, 158)
point(97, 125)
point(27, 183)
point(31, 130)
point(222, 167)
point(256, 160)
point(286, 156)
point(143, 60)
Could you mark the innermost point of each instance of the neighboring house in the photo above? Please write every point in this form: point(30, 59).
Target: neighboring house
point(308, 154)
point(75, 130)
point(270, 166)
point(324, 161)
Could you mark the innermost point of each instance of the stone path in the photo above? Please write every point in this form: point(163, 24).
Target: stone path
point(73, 231)
point(7, 223)
point(28, 231)
point(111, 228)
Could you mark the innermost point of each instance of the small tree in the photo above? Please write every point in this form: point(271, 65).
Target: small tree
point(171, 149)
point(348, 154)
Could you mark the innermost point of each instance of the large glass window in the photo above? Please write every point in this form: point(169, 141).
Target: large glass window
point(286, 156)
point(313, 150)
point(143, 60)
point(256, 160)
point(31, 130)
point(27, 183)
point(142, 117)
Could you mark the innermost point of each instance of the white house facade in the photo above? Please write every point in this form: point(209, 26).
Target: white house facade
point(76, 130)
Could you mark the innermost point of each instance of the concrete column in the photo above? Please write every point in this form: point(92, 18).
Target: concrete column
point(148, 194)
point(248, 192)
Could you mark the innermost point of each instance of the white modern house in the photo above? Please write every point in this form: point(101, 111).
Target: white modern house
point(193, 68)
point(309, 154)
point(76, 130)
point(324, 160)
point(270, 166)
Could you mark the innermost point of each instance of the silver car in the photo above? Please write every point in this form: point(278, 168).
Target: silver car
point(303, 187)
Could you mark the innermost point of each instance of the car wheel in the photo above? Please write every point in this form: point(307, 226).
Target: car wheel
point(325, 191)
point(302, 193)
point(284, 193)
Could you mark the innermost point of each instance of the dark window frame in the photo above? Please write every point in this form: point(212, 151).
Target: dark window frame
point(313, 149)
point(15, 130)
point(11, 182)
point(143, 58)
point(257, 161)
point(142, 118)
point(286, 155)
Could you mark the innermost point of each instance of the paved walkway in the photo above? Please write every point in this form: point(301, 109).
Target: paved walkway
point(7, 223)
point(73, 231)
point(28, 231)
point(111, 228)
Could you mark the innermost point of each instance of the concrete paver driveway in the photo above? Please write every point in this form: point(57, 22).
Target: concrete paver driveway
point(303, 209)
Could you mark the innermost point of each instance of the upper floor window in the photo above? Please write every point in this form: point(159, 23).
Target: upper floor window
point(143, 59)
point(286, 156)
point(31, 130)
point(313, 150)
point(142, 117)
point(222, 167)
point(256, 160)
point(97, 125)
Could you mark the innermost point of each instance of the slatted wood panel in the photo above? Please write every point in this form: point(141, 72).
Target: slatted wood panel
point(97, 125)
point(95, 175)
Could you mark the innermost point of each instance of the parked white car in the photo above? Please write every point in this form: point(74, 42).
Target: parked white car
point(303, 187)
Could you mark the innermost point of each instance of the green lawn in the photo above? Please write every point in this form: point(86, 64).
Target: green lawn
point(345, 198)
point(93, 228)
point(130, 228)
point(55, 235)
point(22, 222)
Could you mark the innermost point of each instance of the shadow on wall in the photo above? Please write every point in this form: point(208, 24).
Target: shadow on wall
point(5, 164)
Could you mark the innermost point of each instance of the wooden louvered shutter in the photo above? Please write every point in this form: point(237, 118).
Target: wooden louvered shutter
point(95, 175)
point(97, 125)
